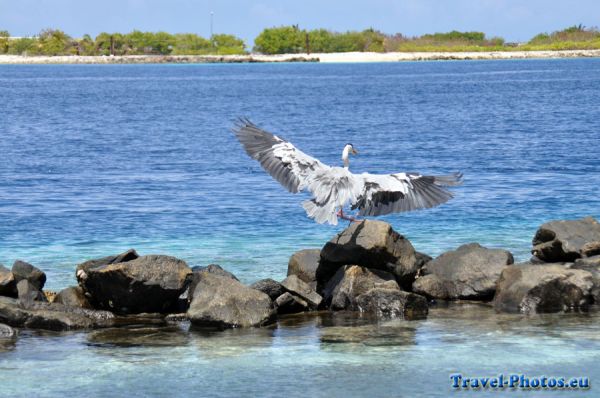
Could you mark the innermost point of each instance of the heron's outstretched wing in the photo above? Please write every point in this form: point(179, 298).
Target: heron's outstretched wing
point(392, 193)
point(291, 167)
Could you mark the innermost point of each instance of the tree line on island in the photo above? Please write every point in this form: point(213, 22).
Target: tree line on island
point(286, 40)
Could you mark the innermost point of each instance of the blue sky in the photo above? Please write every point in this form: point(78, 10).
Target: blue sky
point(515, 20)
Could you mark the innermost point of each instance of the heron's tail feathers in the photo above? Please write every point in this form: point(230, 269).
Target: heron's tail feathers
point(320, 213)
point(449, 180)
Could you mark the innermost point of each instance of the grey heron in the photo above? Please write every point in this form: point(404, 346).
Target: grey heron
point(333, 188)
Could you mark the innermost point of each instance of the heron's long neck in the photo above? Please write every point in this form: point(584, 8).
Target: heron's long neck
point(346, 158)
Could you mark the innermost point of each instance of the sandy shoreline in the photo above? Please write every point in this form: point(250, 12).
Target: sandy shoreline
point(326, 57)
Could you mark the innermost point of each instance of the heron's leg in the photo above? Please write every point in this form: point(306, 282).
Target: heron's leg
point(341, 215)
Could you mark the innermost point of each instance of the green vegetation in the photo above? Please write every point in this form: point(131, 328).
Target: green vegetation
point(56, 42)
point(286, 40)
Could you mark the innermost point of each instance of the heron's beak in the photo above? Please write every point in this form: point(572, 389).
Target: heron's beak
point(354, 151)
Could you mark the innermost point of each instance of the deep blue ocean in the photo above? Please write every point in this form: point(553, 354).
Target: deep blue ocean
point(95, 160)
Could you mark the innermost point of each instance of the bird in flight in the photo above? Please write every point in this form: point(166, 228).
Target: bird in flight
point(333, 188)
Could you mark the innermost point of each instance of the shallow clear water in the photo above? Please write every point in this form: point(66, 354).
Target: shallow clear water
point(98, 159)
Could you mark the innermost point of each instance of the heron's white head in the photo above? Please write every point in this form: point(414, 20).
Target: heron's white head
point(348, 149)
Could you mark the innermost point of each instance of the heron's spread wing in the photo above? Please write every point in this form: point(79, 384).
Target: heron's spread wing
point(384, 194)
point(291, 167)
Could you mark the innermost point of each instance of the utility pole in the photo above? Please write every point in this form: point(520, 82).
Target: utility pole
point(212, 43)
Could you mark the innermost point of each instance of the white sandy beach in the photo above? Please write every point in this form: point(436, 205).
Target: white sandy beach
point(325, 57)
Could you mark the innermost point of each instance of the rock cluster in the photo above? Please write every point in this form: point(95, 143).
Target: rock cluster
point(368, 268)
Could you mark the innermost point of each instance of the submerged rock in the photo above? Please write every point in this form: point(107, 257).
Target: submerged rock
point(270, 287)
point(557, 241)
point(288, 303)
point(8, 285)
point(304, 264)
point(146, 284)
point(351, 281)
point(22, 270)
point(40, 315)
point(6, 332)
point(535, 288)
point(469, 272)
point(223, 302)
point(371, 244)
point(297, 287)
point(73, 296)
point(392, 303)
point(27, 292)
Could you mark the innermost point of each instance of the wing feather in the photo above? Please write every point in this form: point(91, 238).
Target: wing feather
point(288, 165)
point(394, 193)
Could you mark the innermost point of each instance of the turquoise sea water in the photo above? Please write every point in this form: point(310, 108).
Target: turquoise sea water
point(97, 159)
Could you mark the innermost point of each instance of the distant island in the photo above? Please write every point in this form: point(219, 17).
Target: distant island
point(290, 44)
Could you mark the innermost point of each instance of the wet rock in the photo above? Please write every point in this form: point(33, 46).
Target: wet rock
point(371, 244)
point(288, 303)
point(557, 241)
point(297, 287)
point(223, 302)
point(469, 272)
point(304, 265)
point(146, 284)
point(392, 303)
point(40, 315)
point(8, 285)
point(27, 292)
point(129, 255)
point(22, 270)
point(271, 288)
point(73, 296)
point(591, 265)
point(6, 332)
point(350, 281)
point(535, 288)
point(431, 286)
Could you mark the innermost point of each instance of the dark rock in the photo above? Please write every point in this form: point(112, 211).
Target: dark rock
point(73, 296)
point(8, 285)
point(40, 315)
point(129, 255)
point(22, 270)
point(197, 270)
point(288, 303)
point(557, 241)
point(223, 302)
point(591, 265)
point(422, 259)
point(304, 264)
point(534, 288)
point(271, 288)
point(27, 292)
point(296, 286)
point(214, 269)
point(6, 332)
point(351, 281)
point(431, 286)
point(147, 284)
point(392, 303)
point(371, 244)
point(469, 272)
